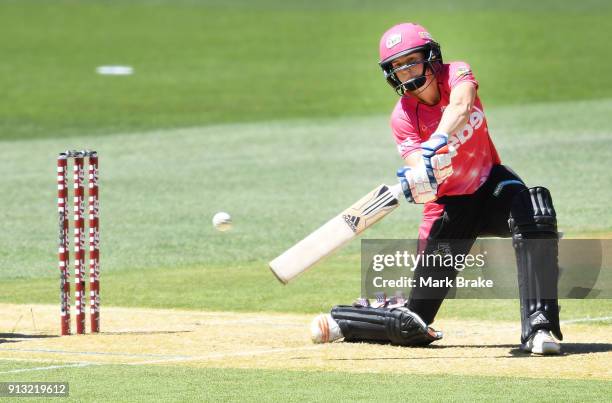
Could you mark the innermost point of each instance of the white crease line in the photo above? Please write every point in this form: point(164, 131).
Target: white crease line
point(255, 322)
point(17, 359)
point(169, 360)
point(80, 364)
point(600, 319)
point(101, 353)
point(224, 355)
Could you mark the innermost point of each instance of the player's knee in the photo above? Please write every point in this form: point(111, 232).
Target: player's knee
point(532, 214)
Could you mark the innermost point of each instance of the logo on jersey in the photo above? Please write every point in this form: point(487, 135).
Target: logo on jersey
point(405, 146)
point(474, 122)
point(463, 71)
point(393, 40)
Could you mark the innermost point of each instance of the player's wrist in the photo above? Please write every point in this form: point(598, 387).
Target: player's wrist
point(439, 133)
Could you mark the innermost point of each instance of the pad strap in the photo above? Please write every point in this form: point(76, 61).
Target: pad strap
point(399, 326)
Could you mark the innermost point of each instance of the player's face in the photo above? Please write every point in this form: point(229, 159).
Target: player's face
point(408, 66)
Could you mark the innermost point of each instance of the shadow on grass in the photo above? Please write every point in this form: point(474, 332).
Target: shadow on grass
point(17, 337)
point(515, 352)
point(571, 349)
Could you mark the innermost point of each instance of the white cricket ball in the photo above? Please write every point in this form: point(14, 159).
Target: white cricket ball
point(222, 221)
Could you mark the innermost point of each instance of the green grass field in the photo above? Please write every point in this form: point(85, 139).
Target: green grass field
point(236, 61)
point(277, 113)
point(172, 384)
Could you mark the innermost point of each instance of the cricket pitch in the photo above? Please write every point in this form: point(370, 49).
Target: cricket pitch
point(134, 336)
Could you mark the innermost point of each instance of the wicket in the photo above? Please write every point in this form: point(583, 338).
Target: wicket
point(79, 240)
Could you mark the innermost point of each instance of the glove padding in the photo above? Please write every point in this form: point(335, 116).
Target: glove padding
point(420, 185)
point(417, 185)
point(438, 156)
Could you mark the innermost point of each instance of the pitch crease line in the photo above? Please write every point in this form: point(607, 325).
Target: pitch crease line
point(93, 353)
point(600, 319)
point(47, 360)
point(224, 355)
point(80, 364)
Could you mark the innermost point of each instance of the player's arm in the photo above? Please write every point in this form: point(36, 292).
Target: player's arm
point(455, 116)
point(414, 159)
point(457, 112)
point(432, 165)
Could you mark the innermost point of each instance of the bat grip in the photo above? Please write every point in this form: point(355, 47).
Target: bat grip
point(396, 190)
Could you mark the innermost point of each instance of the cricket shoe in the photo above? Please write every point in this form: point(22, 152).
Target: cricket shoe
point(542, 343)
point(324, 329)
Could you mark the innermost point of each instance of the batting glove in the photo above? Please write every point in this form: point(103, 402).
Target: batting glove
point(438, 156)
point(417, 185)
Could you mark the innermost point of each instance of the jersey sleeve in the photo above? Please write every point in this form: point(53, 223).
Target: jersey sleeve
point(404, 133)
point(460, 72)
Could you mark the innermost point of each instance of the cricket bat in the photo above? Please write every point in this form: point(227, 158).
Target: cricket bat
point(336, 233)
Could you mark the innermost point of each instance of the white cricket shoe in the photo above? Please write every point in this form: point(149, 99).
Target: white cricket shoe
point(324, 329)
point(542, 343)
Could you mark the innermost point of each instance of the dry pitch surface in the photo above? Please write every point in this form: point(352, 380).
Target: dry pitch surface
point(260, 340)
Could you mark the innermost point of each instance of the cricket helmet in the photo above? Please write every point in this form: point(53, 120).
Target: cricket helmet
point(401, 40)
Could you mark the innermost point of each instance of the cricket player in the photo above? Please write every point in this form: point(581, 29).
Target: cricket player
point(453, 168)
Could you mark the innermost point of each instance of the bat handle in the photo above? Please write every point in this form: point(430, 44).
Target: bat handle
point(396, 190)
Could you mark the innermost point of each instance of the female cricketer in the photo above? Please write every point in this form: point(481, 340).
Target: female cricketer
point(453, 168)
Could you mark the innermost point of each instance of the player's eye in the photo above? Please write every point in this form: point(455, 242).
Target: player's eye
point(402, 67)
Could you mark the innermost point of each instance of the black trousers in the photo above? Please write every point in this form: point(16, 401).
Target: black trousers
point(464, 218)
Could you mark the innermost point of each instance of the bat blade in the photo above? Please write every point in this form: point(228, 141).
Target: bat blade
point(335, 233)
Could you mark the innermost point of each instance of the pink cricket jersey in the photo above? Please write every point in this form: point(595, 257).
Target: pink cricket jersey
point(413, 123)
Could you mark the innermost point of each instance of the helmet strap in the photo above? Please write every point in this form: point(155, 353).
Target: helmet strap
point(417, 82)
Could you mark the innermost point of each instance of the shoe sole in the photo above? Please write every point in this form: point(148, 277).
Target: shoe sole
point(547, 348)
